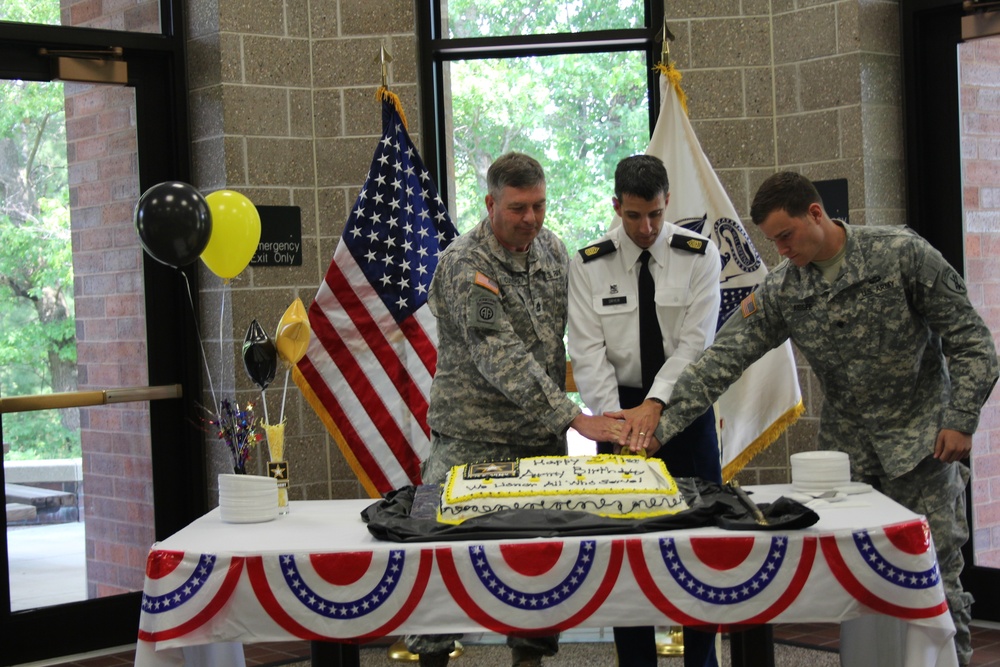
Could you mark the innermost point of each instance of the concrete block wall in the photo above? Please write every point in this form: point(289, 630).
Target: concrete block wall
point(282, 111)
point(805, 85)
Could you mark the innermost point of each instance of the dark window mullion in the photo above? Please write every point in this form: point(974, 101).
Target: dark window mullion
point(534, 45)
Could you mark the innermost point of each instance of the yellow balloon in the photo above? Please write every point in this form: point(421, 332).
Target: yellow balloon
point(292, 338)
point(235, 233)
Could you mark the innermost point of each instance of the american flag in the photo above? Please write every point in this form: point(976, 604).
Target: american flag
point(367, 372)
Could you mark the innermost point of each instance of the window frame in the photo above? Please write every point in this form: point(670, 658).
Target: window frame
point(434, 49)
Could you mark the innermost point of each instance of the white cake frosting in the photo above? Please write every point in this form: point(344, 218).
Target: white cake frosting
point(623, 487)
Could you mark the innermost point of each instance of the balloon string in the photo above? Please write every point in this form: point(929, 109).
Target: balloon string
point(222, 315)
point(284, 392)
point(204, 358)
point(264, 403)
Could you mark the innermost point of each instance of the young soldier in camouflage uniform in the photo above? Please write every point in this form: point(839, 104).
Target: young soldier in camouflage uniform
point(499, 391)
point(904, 360)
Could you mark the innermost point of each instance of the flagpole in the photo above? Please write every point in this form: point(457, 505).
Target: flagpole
point(384, 59)
point(665, 49)
point(398, 652)
point(670, 639)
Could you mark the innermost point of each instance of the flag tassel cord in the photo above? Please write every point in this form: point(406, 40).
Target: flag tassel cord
point(674, 77)
point(383, 94)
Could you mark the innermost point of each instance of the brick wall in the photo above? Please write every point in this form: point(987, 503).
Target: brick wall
point(110, 313)
point(980, 121)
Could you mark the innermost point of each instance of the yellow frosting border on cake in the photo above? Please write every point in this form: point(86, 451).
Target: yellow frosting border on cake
point(596, 459)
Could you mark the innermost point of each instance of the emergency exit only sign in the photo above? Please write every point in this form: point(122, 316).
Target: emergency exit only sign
point(280, 236)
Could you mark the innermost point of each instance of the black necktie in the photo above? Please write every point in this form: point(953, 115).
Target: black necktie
point(650, 339)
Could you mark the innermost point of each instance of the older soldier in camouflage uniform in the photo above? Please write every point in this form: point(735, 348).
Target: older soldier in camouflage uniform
point(499, 294)
point(904, 360)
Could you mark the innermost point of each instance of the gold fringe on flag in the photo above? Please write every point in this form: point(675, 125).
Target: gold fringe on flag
point(383, 94)
point(674, 77)
point(763, 441)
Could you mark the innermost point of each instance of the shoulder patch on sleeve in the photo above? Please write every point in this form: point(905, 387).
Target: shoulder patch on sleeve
point(689, 243)
point(485, 281)
point(953, 281)
point(484, 311)
point(598, 250)
point(749, 305)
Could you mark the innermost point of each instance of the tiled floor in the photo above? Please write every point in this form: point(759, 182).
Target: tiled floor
point(820, 635)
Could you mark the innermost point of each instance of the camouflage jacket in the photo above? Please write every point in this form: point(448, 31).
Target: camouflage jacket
point(501, 366)
point(877, 338)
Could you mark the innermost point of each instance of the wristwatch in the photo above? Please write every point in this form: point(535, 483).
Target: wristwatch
point(656, 400)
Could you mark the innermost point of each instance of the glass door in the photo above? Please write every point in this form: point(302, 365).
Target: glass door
point(98, 353)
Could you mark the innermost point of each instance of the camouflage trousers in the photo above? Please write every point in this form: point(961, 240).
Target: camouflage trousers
point(937, 490)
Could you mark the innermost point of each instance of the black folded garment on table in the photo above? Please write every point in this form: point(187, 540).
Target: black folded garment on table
point(783, 514)
point(402, 516)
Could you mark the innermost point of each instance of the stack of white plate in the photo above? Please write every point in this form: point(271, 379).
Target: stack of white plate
point(248, 498)
point(819, 471)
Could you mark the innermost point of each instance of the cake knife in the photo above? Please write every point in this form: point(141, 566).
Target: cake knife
point(747, 503)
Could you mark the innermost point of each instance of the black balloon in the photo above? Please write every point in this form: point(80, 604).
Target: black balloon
point(174, 223)
point(260, 356)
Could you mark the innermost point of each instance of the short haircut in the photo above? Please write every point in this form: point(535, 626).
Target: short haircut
point(785, 191)
point(641, 175)
point(514, 170)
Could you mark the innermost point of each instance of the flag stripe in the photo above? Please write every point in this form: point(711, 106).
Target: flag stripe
point(358, 434)
point(370, 399)
point(368, 369)
point(421, 343)
point(336, 413)
point(372, 333)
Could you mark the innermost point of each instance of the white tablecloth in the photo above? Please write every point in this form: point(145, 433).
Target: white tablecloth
point(317, 574)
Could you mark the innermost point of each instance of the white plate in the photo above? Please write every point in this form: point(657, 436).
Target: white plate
point(823, 455)
point(853, 488)
point(229, 516)
point(232, 481)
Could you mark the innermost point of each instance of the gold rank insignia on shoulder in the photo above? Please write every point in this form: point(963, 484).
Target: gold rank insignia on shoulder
point(597, 250)
point(689, 243)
